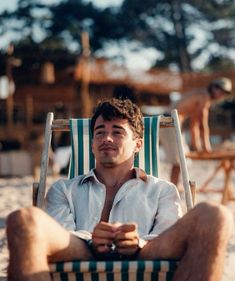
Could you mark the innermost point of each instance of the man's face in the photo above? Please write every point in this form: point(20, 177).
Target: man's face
point(113, 142)
point(218, 94)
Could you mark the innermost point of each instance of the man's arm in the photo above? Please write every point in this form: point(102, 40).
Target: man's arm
point(204, 129)
point(57, 205)
point(168, 212)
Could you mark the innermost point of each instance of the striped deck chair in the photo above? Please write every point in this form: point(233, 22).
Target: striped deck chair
point(82, 161)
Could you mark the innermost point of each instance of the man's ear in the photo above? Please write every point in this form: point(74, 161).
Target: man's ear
point(139, 143)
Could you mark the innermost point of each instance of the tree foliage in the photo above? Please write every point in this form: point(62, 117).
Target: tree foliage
point(181, 31)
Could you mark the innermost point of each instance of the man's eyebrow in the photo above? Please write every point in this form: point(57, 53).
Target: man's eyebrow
point(114, 126)
point(99, 127)
point(118, 127)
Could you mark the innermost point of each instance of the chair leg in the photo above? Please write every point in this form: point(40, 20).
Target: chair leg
point(205, 184)
point(192, 185)
point(35, 192)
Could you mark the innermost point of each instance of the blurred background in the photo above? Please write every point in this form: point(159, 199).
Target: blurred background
point(64, 56)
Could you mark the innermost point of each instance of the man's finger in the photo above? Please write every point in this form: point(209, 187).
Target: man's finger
point(103, 234)
point(127, 227)
point(126, 235)
point(106, 226)
point(126, 243)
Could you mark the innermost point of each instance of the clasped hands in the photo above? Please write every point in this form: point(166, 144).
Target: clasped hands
point(121, 238)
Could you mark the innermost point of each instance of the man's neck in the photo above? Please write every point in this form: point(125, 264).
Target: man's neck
point(114, 177)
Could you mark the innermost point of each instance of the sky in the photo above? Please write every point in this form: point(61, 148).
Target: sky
point(7, 5)
point(142, 59)
point(11, 4)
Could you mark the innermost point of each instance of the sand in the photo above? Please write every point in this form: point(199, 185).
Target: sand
point(16, 193)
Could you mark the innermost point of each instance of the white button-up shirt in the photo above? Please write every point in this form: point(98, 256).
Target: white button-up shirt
point(77, 204)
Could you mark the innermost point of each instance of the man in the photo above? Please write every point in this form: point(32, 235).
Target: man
point(117, 212)
point(194, 107)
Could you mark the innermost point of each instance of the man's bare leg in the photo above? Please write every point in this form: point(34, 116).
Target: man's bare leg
point(34, 238)
point(195, 136)
point(199, 240)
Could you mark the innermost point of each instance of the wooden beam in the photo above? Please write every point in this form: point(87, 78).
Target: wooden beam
point(63, 124)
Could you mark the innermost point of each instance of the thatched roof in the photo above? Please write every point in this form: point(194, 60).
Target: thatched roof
point(107, 72)
point(155, 81)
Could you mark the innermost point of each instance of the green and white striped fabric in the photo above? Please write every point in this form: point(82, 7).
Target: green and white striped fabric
point(82, 159)
point(154, 270)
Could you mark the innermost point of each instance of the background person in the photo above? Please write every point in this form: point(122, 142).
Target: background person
point(194, 108)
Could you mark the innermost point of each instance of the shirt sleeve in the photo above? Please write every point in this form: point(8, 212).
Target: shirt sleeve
point(58, 206)
point(168, 212)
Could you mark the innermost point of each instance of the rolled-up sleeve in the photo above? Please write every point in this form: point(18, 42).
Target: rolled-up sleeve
point(59, 207)
point(168, 212)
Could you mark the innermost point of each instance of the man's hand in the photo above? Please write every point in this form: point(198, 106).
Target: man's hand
point(126, 239)
point(103, 237)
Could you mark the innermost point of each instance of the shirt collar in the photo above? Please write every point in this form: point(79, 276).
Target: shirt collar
point(139, 174)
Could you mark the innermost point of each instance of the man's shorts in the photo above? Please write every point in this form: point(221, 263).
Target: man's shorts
point(112, 256)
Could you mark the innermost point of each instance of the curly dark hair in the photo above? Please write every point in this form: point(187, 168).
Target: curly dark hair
point(120, 109)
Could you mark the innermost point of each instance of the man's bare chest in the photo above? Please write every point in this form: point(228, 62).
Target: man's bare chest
point(108, 203)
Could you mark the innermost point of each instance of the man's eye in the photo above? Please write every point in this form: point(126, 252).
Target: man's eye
point(98, 133)
point(117, 133)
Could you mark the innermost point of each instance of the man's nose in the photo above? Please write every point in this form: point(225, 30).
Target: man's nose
point(108, 137)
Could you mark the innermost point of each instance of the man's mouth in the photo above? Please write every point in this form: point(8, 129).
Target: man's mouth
point(106, 148)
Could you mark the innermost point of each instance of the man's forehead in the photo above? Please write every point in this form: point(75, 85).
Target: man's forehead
point(117, 121)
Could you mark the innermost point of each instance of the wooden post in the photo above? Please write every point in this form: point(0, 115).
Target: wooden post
point(10, 109)
point(85, 76)
point(29, 111)
point(48, 73)
point(10, 99)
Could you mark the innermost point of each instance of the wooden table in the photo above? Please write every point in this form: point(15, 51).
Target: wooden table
point(226, 160)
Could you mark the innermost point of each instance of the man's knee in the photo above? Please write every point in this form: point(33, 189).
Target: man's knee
point(214, 214)
point(23, 223)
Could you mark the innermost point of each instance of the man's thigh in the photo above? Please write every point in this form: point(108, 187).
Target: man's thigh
point(44, 234)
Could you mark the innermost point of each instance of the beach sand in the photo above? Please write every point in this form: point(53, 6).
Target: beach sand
point(16, 193)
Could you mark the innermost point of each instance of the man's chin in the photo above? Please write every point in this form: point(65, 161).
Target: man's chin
point(108, 163)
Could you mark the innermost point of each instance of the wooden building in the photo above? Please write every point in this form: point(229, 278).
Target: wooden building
point(73, 90)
